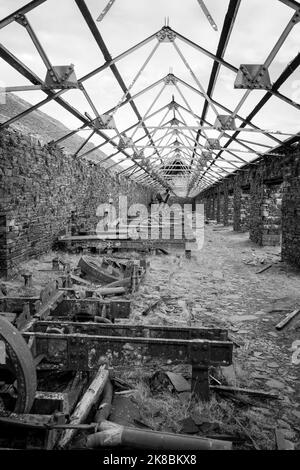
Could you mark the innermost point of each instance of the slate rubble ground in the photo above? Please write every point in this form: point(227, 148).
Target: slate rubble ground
point(216, 288)
point(222, 291)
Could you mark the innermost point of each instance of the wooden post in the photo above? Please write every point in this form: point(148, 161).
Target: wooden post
point(200, 382)
point(84, 406)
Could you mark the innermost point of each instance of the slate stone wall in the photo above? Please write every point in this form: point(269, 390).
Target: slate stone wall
point(266, 201)
point(43, 191)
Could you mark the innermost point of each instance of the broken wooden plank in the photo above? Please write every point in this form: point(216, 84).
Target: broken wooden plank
point(89, 399)
point(79, 280)
point(162, 250)
point(224, 388)
point(287, 319)
point(264, 269)
point(100, 290)
point(150, 307)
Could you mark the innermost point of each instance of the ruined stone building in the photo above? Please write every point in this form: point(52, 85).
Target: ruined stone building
point(150, 224)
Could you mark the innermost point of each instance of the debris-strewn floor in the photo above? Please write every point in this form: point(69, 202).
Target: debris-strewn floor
point(219, 287)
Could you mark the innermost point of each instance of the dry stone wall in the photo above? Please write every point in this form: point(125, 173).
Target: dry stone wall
point(43, 191)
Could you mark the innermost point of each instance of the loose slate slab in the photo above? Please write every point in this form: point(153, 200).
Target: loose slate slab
point(281, 442)
point(273, 383)
point(179, 382)
point(188, 426)
point(238, 318)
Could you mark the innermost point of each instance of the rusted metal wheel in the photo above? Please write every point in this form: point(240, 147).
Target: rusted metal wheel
point(17, 369)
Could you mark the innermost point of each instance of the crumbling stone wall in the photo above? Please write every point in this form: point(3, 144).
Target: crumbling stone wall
point(241, 204)
point(266, 201)
point(245, 210)
point(230, 211)
point(41, 189)
point(220, 207)
point(271, 212)
point(291, 219)
point(256, 206)
point(213, 214)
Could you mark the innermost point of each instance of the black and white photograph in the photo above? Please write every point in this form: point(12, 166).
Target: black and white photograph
point(149, 230)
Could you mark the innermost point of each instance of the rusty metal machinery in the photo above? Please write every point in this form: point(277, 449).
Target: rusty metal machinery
point(61, 336)
point(62, 345)
point(76, 346)
point(17, 370)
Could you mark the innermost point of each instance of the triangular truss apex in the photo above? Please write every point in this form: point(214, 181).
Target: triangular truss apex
point(166, 34)
point(170, 79)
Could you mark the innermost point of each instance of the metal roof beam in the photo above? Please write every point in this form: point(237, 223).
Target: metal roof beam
point(21, 11)
point(229, 21)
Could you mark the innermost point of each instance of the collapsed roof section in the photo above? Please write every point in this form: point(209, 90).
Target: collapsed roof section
point(192, 129)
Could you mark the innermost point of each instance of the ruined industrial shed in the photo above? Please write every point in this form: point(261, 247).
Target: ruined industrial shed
point(109, 311)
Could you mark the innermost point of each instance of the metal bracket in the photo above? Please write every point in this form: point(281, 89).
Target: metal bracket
point(250, 77)
point(176, 143)
point(66, 77)
point(170, 79)
point(213, 144)
point(172, 105)
point(296, 17)
point(166, 35)
point(21, 19)
point(139, 155)
point(225, 122)
point(125, 142)
point(104, 121)
point(174, 122)
point(206, 157)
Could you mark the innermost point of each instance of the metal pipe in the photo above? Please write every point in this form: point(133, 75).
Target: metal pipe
point(114, 434)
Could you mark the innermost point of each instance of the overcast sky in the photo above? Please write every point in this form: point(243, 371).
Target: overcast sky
point(67, 39)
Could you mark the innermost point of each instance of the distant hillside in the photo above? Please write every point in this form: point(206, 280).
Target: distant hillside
point(44, 127)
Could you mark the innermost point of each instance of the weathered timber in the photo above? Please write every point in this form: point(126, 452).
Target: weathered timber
point(247, 391)
point(287, 319)
point(89, 399)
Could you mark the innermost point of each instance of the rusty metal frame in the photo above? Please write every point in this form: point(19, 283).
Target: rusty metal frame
point(84, 346)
